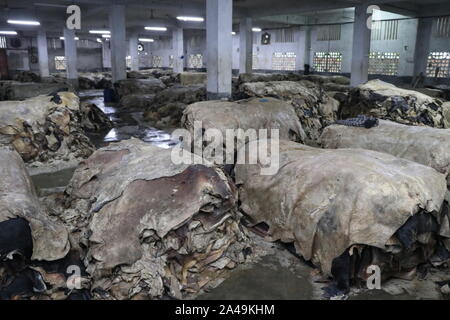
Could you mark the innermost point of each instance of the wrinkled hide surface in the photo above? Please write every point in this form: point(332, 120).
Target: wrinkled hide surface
point(26, 76)
point(314, 108)
point(386, 101)
point(138, 86)
point(16, 91)
point(425, 145)
point(44, 128)
point(152, 228)
point(192, 78)
point(19, 200)
point(93, 118)
point(254, 113)
point(94, 80)
point(168, 105)
point(326, 201)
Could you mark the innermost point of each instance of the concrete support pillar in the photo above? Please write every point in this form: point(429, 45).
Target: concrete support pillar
point(307, 48)
point(70, 51)
point(245, 46)
point(361, 46)
point(106, 54)
point(134, 53)
point(118, 42)
point(422, 50)
point(219, 14)
point(43, 53)
point(178, 50)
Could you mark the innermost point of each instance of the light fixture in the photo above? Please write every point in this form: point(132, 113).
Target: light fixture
point(99, 40)
point(256, 29)
point(146, 40)
point(193, 19)
point(107, 36)
point(156, 28)
point(99, 31)
point(62, 38)
point(233, 33)
point(25, 22)
point(9, 33)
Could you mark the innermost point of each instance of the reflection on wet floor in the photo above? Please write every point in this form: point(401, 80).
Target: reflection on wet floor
point(127, 123)
point(266, 280)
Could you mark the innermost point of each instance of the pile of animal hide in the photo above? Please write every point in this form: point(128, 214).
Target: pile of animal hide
point(32, 244)
point(137, 101)
point(93, 119)
point(254, 113)
point(152, 228)
point(26, 76)
point(192, 78)
point(425, 145)
point(44, 128)
point(168, 77)
point(313, 106)
point(91, 80)
point(443, 89)
point(386, 101)
point(168, 105)
point(320, 79)
point(347, 209)
point(138, 86)
point(14, 91)
point(267, 77)
point(446, 114)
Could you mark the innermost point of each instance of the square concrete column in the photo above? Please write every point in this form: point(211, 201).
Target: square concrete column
point(245, 46)
point(219, 14)
point(43, 53)
point(118, 42)
point(361, 46)
point(307, 46)
point(70, 51)
point(422, 50)
point(178, 50)
point(134, 53)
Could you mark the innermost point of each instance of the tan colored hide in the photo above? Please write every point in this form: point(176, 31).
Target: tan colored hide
point(41, 129)
point(315, 108)
point(151, 223)
point(386, 101)
point(325, 201)
point(255, 113)
point(18, 199)
point(425, 145)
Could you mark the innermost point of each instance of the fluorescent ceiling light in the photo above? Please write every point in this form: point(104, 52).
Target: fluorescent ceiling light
point(195, 19)
point(99, 31)
point(156, 28)
point(106, 36)
point(256, 29)
point(12, 33)
point(62, 38)
point(233, 33)
point(25, 22)
point(146, 40)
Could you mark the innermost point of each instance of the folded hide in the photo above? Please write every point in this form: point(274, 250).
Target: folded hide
point(424, 145)
point(331, 202)
point(18, 199)
point(152, 228)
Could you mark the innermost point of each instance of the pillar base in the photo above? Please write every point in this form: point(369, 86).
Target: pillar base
point(218, 96)
point(74, 83)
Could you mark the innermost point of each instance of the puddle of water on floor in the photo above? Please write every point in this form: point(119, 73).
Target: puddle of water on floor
point(127, 123)
point(268, 279)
